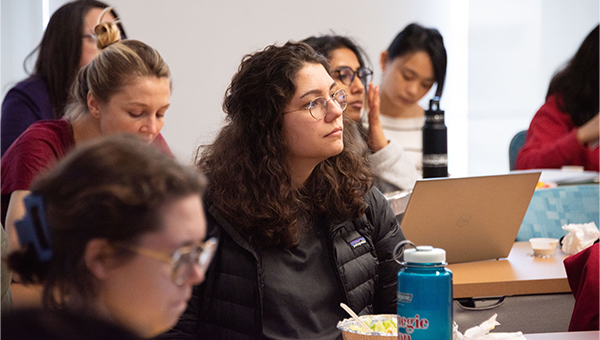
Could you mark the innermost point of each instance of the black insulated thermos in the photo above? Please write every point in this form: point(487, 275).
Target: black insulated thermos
point(435, 142)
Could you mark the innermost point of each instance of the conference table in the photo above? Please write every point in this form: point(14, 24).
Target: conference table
point(519, 274)
point(519, 277)
point(529, 294)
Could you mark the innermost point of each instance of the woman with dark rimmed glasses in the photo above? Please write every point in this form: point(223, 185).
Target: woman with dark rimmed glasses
point(393, 168)
point(116, 230)
point(67, 45)
point(301, 229)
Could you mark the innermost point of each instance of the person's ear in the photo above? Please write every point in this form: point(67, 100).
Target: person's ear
point(97, 257)
point(383, 59)
point(93, 105)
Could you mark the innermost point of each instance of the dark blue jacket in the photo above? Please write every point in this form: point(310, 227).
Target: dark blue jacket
point(25, 104)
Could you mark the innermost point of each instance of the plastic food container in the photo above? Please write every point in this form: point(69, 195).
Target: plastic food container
point(351, 330)
point(543, 247)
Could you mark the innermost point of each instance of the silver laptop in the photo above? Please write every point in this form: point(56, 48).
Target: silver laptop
point(472, 218)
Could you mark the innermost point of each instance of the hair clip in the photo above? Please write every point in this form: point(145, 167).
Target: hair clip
point(34, 229)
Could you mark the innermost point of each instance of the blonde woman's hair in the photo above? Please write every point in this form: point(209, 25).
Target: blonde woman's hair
point(119, 63)
point(106, 33)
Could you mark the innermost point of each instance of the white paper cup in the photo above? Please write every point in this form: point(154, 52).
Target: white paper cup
point(542, 246)
point(573, 168)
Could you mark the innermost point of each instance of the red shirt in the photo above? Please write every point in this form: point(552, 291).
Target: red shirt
point(552, 142)
point(582, 273)
point(37, 150)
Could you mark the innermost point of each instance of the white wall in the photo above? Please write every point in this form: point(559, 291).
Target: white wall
point(21, 30)
point(501, 56)
point(207, 42)
point(515, 46)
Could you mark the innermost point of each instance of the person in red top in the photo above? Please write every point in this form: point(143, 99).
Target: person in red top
point(582, 272)
point(565, 130)
point(40, 146)
point(125, 89)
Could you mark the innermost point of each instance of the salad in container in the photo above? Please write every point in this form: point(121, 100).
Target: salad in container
point(382, 327)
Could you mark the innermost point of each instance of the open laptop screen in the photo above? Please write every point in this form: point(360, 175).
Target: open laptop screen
point(472, 218)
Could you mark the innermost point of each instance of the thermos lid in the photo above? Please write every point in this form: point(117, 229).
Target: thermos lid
point(425, 254)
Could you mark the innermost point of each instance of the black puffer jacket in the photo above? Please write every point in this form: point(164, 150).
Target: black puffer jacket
point(228, 305)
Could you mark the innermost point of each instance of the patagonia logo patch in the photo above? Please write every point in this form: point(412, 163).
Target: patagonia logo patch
point(358, 242)
point(404, 297)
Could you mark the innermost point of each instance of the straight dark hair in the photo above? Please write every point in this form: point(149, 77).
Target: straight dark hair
point(325, 44)
point(577, 82)
point(59, 52)
point(414, 38)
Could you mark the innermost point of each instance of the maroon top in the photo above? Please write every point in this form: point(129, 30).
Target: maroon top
point(582, 273)
point(36, 150)
point(552, 142)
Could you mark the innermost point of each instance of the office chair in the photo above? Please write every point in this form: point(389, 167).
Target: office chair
point(516, 143)
point(552, 208)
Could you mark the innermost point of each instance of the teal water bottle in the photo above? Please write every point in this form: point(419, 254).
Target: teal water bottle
point(424, 294)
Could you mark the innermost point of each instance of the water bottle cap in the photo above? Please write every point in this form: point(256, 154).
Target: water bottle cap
point(425, 254)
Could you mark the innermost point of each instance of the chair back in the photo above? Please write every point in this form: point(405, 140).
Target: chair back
point(552, 208)
point(516, 143)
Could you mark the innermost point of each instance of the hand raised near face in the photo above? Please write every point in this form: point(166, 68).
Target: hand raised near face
point(377, 140)
point(588, 133)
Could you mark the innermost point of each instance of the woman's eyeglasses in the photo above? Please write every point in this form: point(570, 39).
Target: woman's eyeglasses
point(89, 38)
point(346, 75)
point(183, 259)
point(318, 106)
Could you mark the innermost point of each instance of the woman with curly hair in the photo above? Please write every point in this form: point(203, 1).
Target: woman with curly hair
point(393, 168)
point(290, 193)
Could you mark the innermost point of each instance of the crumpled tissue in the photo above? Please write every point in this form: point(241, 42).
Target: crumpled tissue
point(482, 332)
point(580, 236)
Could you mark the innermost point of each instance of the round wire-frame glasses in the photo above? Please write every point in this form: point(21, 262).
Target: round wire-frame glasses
point(318, 106)
point(183, 259)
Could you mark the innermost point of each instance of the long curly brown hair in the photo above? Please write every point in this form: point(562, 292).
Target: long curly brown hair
point(249, 179)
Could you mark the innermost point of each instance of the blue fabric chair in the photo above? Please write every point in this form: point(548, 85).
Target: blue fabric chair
point(516, 143)
point(550, 209)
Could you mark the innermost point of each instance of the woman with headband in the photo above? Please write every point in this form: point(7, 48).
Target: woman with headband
point(125, 89)
point(116, 231)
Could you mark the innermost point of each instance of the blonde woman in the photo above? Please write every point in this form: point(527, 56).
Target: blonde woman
point(125, 89)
